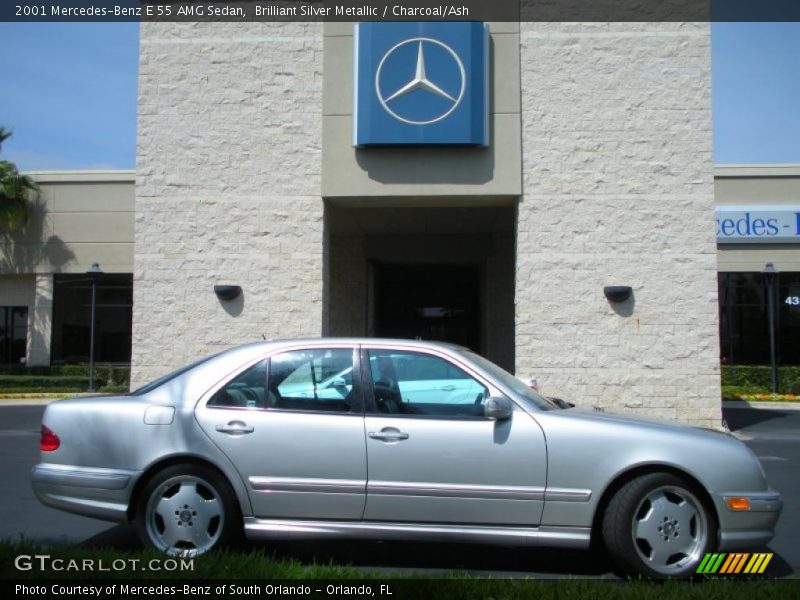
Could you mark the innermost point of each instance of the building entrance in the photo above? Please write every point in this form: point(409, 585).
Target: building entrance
point(420, 272)
point(429, 302)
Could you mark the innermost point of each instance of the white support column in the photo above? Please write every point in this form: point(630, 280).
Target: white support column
point(41, 320)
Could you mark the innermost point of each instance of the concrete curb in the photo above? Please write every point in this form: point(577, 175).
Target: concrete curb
point(27, 401)
point(34, 400)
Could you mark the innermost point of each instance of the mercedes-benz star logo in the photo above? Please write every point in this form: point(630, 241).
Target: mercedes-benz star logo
point(420, 81)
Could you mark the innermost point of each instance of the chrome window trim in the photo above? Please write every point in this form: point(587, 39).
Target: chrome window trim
point(202, 402)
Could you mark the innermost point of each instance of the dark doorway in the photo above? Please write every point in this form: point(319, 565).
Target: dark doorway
point(429, 302)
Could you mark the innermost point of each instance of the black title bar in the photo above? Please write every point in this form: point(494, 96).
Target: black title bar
point(400, 10)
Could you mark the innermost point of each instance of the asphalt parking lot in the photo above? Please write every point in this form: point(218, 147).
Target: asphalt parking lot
point(772, 433)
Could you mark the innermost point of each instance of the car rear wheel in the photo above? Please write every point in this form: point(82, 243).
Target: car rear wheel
point(657, 526)
point(187, 510)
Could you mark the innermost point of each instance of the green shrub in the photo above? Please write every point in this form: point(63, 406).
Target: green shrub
point(42, 381)
point(732, 392)
point(112, 375)
point(757, 379)
point(6, 391)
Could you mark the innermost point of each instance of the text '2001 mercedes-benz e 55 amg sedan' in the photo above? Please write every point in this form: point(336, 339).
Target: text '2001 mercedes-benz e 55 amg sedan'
point(390, 439)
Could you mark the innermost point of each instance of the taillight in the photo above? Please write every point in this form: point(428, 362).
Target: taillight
point(49, 440)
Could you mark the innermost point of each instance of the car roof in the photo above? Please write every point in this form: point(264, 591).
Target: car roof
point(372, 341)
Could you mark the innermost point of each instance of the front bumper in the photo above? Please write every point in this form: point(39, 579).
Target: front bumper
point(91, 492)
point(748, 529)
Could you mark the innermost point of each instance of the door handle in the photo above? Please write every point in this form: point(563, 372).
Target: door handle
point(389, 434)
point(448, 388)
point(235, 428)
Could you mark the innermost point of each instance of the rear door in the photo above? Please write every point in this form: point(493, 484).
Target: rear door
point(293, 425)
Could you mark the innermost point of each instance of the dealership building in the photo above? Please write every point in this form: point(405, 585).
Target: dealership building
point(542, 193)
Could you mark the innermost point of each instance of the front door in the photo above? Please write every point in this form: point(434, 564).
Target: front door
point(434, 457)
point(293, 425)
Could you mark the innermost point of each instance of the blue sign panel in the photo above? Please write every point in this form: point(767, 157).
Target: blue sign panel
point(421, 83)
point(758, 224)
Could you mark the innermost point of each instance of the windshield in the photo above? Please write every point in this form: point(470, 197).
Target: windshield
point(512, 382)
point(170, 376)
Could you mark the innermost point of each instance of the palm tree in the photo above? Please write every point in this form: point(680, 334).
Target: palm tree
point(14, 192)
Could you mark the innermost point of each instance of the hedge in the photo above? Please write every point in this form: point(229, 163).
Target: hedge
point(105, 374)
point(41, 381)
point(757, 379)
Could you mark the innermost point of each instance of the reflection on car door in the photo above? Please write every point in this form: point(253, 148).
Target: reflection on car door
point(296, 437)
point(439, 461)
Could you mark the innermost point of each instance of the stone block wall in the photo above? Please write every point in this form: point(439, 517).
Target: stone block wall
point(227, 188)
point(618, 190)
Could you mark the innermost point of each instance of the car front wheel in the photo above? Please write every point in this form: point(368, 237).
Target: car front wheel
point(657, 526)
point(186, 510)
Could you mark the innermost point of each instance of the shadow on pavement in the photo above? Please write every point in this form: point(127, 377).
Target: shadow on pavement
point(119, 537)
point(741, 418)
point(778, 567)
point(405, 555)
point(456, 557)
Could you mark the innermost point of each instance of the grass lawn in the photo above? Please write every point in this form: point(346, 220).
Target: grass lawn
point(256, 570)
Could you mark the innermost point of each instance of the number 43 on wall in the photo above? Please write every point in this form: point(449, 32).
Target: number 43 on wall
point(792, 300)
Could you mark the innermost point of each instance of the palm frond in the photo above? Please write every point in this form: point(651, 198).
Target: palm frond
point(14, 194)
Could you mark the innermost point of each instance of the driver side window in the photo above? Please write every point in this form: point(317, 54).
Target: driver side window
point(414, 383)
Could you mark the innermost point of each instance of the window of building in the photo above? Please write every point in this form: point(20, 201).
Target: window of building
point(413, 383)
point(13, 334)
point(318, 380)
point(72, 311)
point(744, 319)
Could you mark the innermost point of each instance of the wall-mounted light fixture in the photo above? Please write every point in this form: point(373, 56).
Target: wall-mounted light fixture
point(618, 293)
point(227, 292)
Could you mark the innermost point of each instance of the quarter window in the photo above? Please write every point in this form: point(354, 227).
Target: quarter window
point(246, 390)
point(412, 383)
point(319, 380)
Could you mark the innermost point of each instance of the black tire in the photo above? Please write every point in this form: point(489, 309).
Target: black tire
point(659, 527)
point(188, 510)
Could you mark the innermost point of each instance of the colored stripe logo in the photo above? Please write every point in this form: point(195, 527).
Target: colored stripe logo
point(734, 563)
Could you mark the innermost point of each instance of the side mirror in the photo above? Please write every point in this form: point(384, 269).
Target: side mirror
point(339, 382)
point(498, 408)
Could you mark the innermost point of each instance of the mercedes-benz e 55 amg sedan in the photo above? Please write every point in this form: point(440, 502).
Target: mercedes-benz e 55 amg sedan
point(391, 439)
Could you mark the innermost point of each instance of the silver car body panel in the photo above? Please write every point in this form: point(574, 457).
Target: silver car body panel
point(540, 475)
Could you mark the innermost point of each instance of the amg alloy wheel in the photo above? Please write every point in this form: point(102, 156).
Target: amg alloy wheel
point(657, 526)
point(187, 510)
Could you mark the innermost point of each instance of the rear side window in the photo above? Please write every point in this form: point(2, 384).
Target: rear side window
point(246, 390)
point(317, 380)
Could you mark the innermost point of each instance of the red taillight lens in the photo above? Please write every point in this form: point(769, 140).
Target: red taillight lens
point(49, 441)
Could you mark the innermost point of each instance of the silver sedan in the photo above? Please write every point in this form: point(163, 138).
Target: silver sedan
point(390, 439)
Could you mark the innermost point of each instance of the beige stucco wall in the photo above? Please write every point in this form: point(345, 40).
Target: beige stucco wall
point(77, 218)
point(349, 172)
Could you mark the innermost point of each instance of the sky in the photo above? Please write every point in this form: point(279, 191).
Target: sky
point(68, 92)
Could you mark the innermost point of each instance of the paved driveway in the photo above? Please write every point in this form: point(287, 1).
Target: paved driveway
point(773, 434)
